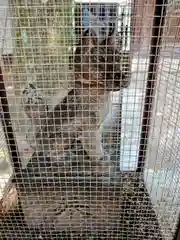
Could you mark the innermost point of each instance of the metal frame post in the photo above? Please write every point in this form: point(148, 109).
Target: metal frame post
point(157, 31)
point(7, 126)
point(10, 139)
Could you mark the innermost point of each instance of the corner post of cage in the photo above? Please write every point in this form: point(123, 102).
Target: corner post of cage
point(156, 37)
point(177, 231)
point(7, 127)
point(133, 23)
point(10, 138)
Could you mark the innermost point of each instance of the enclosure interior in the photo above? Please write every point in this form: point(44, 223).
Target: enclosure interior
point(41, 40)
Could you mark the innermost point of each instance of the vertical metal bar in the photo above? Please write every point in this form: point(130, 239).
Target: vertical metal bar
point(177, 232)
point(133, 25)
point(10, 140)
point(157, 31)
point(7, 126)
point(119, 135)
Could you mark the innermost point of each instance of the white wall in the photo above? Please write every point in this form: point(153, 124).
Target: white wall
point(5, 28)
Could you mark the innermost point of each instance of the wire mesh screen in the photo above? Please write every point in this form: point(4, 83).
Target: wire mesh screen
point(83, 89)
point(163, 149)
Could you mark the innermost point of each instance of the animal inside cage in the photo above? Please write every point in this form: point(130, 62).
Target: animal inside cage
point(90, 128)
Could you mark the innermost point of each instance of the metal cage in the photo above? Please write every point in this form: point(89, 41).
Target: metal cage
point(90, 123)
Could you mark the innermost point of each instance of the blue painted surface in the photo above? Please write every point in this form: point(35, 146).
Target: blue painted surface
point(86, 18)
point(178, 52)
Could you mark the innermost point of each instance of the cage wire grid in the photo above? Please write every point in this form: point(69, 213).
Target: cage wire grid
point(76, 76)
